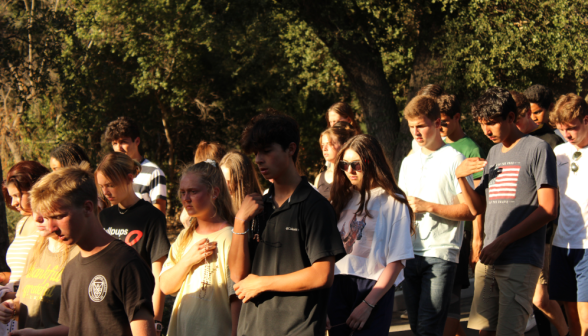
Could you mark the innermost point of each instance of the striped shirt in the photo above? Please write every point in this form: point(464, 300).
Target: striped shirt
point(16, 256)
point(150, 183)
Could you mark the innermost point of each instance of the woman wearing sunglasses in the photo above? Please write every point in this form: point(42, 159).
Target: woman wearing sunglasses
point(375, 223)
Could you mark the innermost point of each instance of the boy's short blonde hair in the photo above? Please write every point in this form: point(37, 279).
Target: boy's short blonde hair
point(567, 108)
point(65, 187)
point(422, 106)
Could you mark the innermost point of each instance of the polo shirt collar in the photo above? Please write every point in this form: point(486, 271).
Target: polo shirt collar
point(299, 195)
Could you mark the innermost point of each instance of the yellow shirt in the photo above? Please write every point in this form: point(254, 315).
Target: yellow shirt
point(197, 311)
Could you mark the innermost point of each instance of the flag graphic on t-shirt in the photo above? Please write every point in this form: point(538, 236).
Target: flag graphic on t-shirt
point(504, 185)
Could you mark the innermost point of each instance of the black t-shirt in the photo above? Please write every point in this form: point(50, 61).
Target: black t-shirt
point(142, 226)
point(101, 294)
point(547, 134)
point(293, 237)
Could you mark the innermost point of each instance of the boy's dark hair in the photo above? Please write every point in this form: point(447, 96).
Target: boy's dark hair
point(69, 154)
point(448, 105)
point(122, 127)
point(495, 102)
point(269, 128)
point(523, 105)
point(540, 95)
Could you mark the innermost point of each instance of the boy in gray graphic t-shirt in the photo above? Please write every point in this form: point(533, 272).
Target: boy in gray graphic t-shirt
point(518, 194)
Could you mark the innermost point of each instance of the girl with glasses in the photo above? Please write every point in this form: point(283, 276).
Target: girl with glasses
point(375, 223)
point(197, 270)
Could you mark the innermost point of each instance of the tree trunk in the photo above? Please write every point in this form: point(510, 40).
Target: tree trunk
point(164, 118)
point(362, 63)
point(3, 232)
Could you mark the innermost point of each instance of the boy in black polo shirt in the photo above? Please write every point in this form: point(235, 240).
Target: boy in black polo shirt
point(284, 267)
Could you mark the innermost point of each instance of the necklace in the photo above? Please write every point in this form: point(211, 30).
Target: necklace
point(206, 279)
point(122, 212)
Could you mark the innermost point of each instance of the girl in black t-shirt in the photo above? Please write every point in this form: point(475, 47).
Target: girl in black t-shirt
point(197, 270)
point(132, 220)
point(375, 224)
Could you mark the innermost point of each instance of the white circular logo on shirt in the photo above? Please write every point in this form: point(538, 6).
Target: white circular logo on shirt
point(98, 288)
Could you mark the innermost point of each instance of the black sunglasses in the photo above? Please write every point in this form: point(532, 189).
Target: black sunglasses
point(576, 156)
point(355, 165)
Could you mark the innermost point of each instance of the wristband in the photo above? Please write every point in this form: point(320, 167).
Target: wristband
point(241, 233)
point(242, 220)
point(364, 301)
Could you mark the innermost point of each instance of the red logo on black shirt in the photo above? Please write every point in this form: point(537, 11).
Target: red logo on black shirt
point(138, 235)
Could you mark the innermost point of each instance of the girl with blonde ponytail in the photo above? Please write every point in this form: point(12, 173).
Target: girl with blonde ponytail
point(240, 176)
point(197, 270)
point(132, 220)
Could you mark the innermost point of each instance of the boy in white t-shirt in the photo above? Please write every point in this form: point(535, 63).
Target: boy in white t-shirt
point(428, 179)
point(568, 274)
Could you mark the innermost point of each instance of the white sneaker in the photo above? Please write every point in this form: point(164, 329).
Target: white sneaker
point(531, 323)
point(404, 315)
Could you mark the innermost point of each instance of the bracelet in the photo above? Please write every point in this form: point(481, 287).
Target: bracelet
point(242, 220)
point(364, 301)
point(237, 233)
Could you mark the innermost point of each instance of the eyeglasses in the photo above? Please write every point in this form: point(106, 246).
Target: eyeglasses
point(576, 156)
point(355, 165)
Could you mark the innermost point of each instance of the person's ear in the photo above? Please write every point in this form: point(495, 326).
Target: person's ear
point(585, 120)
point(511, 118)
point(215, 193)
point(291, 149)
point(131, 177)
point(437, 123)
point(88, 208)
point(457, 117)
point(137, 141)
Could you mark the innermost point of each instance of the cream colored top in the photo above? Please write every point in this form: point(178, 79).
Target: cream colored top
point(197, 311)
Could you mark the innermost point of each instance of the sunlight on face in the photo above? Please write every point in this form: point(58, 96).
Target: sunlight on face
point(354, 176)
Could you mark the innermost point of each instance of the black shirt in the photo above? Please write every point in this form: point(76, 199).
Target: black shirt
point(293, 237)
point(547, 134)
point(101, 294)
point(142, 226)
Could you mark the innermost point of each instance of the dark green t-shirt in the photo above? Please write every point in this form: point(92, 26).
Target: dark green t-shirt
point(469, 149)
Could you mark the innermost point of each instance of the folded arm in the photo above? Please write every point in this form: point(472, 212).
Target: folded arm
point(319, 275)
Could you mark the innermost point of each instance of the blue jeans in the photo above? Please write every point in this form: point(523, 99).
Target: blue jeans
point(427, 291)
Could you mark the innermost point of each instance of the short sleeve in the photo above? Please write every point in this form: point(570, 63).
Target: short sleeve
point(137, 285)
point(157, 243)
point(173, 251)
point(544, 167)
point(322, 238)
point(402, 177)
point(456, 185)
point(399, 242)
point(476, 152)
point(157, 186)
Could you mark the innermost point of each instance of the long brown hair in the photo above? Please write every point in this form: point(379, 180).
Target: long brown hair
point(243, 177)
point(23, 176)
point(377, 171)
point(344, 110)
point(212, 177)
point(341, 131)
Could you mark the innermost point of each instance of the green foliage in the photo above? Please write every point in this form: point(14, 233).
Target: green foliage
point(199, 70)
point(515, 44)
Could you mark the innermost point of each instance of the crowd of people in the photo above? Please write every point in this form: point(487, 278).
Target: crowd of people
point(91, 255)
